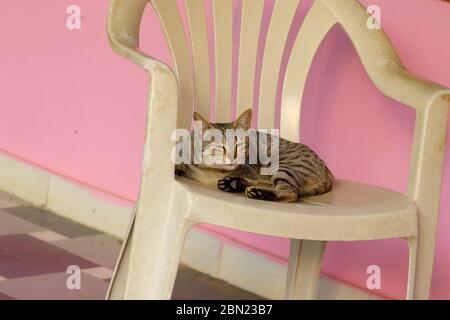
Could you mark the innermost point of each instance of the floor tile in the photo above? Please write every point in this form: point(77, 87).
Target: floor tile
point(10, 224)
point(101, 249)
point(5, 297)
point(53, 287)
point(52, 222)
point(99, 273)
point(47, 236)
point(22, 255)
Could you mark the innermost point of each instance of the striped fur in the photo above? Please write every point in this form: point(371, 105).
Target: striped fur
point(300, 171)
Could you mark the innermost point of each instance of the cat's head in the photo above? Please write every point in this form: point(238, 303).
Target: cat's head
point(224, 145)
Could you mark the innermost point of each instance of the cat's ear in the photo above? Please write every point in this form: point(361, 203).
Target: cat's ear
point(205, 123)
point(244, 121)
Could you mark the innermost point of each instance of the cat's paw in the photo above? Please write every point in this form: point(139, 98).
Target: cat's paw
point(232, 185)
point(258, 193)
point(179, 171)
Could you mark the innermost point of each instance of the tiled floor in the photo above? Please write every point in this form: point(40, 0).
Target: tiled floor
point(37, 248)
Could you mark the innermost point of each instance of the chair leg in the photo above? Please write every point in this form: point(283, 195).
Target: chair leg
point(412, 243)
point(424, 266)
point(158, 276)
point(155, 250)
point(117, 285)
point(305, 261)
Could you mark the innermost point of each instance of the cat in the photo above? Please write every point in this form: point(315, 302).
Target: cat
point(300, 171)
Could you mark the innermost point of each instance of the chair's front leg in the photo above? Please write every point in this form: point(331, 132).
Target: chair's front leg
point(305, 261)
point(151, 258)
point(154, 256)
point(168, 264)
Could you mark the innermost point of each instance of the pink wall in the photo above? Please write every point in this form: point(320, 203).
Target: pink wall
point(63, 107)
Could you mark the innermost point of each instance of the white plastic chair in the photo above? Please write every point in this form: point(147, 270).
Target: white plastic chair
point(168, 207)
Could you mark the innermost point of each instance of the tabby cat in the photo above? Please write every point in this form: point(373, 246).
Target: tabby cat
point(300, 172)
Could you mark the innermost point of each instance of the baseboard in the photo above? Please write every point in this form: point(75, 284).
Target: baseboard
point(203, 251)
point(64, 197)
point(23, 180)
point(88, 207)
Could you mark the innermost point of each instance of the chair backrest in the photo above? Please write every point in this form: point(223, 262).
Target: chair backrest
point(192, 61)
point(194, 77)
point(193, 68)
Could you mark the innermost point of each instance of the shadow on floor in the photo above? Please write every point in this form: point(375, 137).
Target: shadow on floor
point(191, 284)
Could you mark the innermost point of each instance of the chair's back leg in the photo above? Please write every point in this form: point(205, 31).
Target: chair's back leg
point(305, 261)
point(412, 243)
point(117, 285)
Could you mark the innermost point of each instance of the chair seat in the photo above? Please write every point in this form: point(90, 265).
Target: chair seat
point(351, 211)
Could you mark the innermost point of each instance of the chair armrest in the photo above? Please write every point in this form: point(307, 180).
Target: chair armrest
point(124, 19)
point(123, 25)
point(379, 58)
point(400, 85)
point(431, 102)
